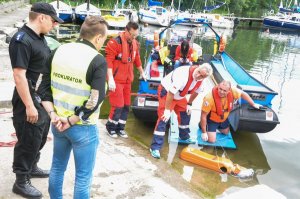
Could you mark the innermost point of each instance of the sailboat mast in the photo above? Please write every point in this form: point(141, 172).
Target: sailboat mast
point(57, 2)
point(88, 5)
point(205, 6)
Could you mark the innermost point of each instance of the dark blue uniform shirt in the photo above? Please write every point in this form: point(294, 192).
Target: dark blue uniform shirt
point(29, 51)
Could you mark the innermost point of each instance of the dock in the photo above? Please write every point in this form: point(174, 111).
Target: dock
point(244, 19)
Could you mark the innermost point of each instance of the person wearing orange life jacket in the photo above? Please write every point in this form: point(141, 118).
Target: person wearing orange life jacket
point(172, 96)
point(121, 53)
point(183, 54)
point(216, 108)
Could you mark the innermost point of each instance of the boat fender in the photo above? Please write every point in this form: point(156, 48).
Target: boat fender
point(222, 44)
point(156, 38)
point(154, 72)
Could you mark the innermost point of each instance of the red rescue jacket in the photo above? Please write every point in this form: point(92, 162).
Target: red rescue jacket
point(120, 56)
point(178, 53)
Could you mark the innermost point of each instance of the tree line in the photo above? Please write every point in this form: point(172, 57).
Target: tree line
point(238, 7)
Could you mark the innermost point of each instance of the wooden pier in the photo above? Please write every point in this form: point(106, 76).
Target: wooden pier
point(244, 19)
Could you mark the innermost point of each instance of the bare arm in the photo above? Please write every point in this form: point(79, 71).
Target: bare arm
point(246, 97)
point(203, 121)
point(110, 73)
point(23, 91)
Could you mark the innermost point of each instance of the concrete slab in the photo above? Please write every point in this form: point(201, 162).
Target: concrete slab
point(6, 90)
point(10, 31)
point(123, 170)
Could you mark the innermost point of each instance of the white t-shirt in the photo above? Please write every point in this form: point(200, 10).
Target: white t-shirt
point(177, 80)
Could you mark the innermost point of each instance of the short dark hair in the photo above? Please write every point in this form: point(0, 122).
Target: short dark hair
point(132, 25)
point(92, 26)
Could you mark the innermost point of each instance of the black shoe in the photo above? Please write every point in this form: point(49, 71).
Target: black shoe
point(39, 173)
point(111, 133)
point(24, 188)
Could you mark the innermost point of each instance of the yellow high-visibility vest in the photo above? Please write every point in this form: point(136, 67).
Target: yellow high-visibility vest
point(68, 79)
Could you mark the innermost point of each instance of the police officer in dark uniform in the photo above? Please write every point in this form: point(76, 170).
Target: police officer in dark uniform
point(28, 52)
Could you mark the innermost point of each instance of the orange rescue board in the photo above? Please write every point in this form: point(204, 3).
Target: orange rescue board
point(219, 164)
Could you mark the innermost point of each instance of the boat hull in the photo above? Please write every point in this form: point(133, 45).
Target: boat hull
point(67, 17)
point(281, 24)
point(246, 118)
point(145, 108)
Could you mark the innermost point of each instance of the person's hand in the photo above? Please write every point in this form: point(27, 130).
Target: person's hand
point(166, 116)
point(143, 75)
point(188, 109)
point(181, 60)
point(257, 106)
point(62, 124)
point(187, 61)
point(204, 137)
point(32, 115)
point(54, 118)
point(111, 84)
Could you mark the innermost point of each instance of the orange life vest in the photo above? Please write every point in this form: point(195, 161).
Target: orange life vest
point(123, 63)
point(218, 113)
point(189, 82)
point(126, 57)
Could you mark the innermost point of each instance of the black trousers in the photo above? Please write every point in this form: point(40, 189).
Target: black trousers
point(31, 139)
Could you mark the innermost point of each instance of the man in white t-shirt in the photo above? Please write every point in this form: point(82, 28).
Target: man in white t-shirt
point(172, 96)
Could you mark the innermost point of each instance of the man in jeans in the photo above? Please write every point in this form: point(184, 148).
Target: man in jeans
point(78, 75)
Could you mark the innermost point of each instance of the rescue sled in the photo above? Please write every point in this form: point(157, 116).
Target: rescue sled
point(243, 117)
point(222, 140)
point(215, 163)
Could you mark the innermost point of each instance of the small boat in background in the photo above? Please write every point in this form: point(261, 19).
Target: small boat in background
point(84, 10)
point(129, 12)
point(63, 10)
point(155, 15)
point(187, 17)
point(114, 21)
point(281, 20)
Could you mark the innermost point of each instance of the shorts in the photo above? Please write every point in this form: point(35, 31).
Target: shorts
point(213, 126)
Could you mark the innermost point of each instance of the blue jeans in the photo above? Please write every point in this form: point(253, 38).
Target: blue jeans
point(83, 140)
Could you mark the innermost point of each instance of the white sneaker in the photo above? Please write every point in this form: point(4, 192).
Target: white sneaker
point(112, 134)
point(122, 133)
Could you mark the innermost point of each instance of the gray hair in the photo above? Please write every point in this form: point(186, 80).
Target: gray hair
point(226, 82)
point(207, 67)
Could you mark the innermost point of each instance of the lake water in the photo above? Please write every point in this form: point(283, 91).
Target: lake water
point(273, 57)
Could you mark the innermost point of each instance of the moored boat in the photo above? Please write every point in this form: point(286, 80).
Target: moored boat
point(155, 15)
point(63, 10)
point(281, 20)
point(84, 10)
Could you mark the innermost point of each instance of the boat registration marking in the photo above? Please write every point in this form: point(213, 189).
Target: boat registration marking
point(151, 103)
point(141, 101)
point(269, 115)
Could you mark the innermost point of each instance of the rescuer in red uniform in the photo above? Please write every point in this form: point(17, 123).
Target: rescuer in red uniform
point(121, 53)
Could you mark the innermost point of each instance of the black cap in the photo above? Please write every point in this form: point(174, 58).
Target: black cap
point(47, 9)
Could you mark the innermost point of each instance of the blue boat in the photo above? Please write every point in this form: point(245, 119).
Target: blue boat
point(243, 117)
point(84, 10)
point(63, 10)
point(281, 20)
